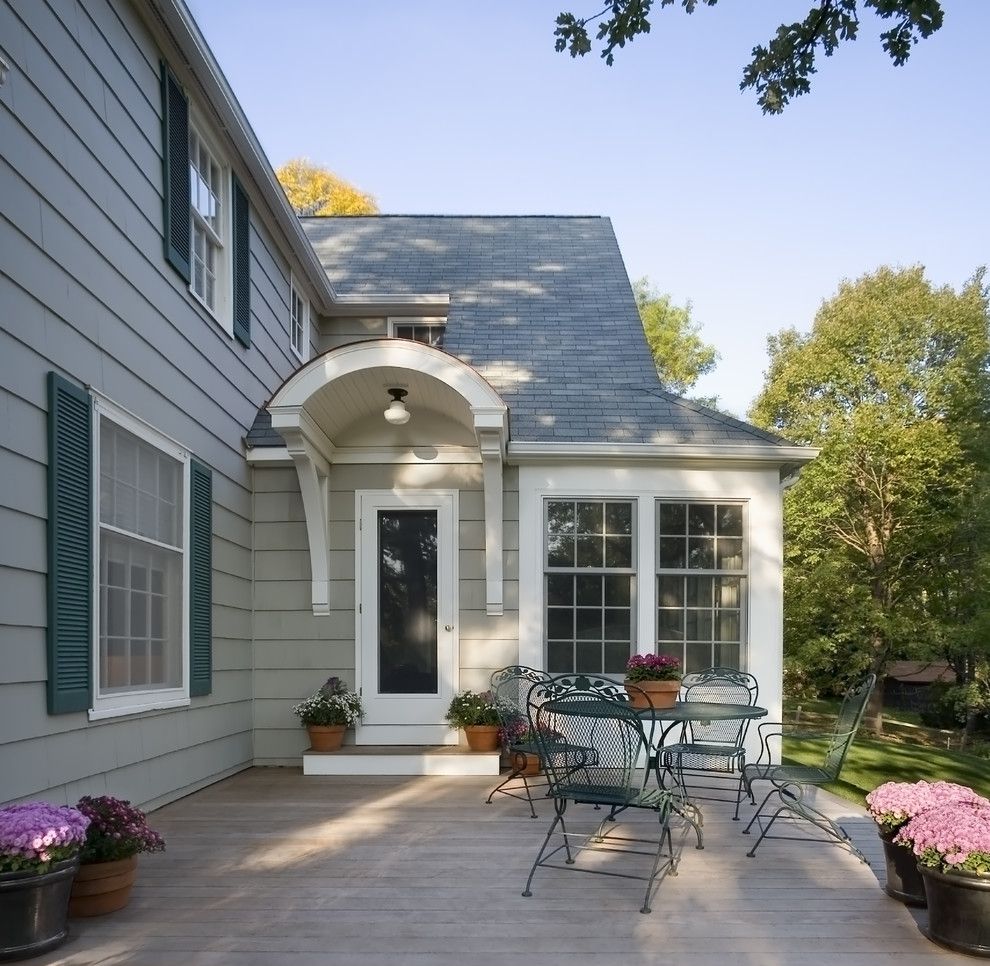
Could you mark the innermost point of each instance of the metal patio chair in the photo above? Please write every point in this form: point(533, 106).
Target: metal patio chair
point(792, 784)
point(712, 750)
point(510, 689)
point(592, 746)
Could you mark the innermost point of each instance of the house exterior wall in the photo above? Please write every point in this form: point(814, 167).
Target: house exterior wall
point(85, 291)
point(758, 489)
point(296, 650)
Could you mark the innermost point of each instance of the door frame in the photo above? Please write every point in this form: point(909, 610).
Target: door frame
point(432, 729)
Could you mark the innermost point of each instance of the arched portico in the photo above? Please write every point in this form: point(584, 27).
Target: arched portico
point(331, 406)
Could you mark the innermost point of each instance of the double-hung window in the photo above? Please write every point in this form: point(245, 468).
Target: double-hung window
point(210, 268)
point(589, 584)
point(298, 322)
point(701, 583)
point(141, 615)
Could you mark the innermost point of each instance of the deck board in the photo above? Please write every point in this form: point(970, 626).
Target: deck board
point(271, 867)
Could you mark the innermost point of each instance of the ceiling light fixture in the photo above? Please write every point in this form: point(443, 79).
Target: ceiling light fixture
point(397, 414)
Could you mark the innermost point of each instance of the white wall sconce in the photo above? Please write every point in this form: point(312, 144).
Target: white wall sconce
point(397, 414)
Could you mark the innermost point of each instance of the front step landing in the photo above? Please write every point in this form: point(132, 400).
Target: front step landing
point(445, 760)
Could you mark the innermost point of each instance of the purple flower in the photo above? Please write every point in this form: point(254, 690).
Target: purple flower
point(652, 667)
point(894, 803)
point(951, 836)
point(118, 830)
point(35, 834)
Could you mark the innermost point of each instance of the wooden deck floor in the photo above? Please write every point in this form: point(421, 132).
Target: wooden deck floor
point(270, 867)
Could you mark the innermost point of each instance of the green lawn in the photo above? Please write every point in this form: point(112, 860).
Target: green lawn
point(871, 763)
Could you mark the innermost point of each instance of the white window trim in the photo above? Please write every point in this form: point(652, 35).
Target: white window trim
point(134, 702)
point(223, 314)
point(302, 353)
point(743, 574)
point(397, 320)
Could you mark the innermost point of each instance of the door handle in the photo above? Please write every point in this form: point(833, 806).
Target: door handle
point(448, 627)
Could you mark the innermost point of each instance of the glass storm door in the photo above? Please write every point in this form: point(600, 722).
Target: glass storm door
point(407, 663)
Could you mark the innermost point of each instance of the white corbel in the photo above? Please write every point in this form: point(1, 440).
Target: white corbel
point(490, 428)
point(306, 445)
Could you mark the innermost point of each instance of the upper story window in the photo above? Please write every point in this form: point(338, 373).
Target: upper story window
point(210, 266)
point(298, 322)
point(429, 331)
point(701, 583)
point(589, 580)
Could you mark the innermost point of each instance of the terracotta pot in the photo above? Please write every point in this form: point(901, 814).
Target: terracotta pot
point(904, 881)
point(663, 694)
point(524, 762)
point(958, 910)
point(326, 737)
point(102, 887)
point(33, 910)
point(482, 737)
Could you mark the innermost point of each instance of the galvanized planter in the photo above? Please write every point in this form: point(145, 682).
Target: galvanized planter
point(33, 910)
point(958, 910)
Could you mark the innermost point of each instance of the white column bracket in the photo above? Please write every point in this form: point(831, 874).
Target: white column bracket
point(306, 445)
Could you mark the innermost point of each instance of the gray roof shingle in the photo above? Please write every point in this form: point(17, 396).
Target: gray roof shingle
point(542, 308)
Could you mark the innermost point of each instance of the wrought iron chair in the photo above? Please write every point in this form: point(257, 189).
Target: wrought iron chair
point(709, 750)
point(591, 746)
point(793, 783)
point(510, 689)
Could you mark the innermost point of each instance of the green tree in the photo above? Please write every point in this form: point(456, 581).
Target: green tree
point(680, 354)
point(783, 67)
point(891, 383)
point(315, 190)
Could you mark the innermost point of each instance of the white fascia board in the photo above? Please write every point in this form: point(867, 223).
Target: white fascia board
point(520, 453)
point(183, 31)
point(400, 303)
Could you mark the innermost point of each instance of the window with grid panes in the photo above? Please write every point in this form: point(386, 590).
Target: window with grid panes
point(429, 333)
point(298, 322)
point(141, 493)
point(208, 268)
point(589, 585)
point(701, 583)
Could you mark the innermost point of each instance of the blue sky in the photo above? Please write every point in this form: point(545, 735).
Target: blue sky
point(449, 107)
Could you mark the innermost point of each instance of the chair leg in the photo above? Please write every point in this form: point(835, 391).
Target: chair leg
point(664, 818)
point(759, 811)
point(516, 771)
point(558, 819)
point(739, 793)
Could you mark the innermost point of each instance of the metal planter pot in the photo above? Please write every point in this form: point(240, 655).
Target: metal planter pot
point(904, 881)
point(958, 910)
point(33, 910)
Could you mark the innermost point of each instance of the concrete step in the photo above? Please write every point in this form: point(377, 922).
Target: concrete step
point(446, 760)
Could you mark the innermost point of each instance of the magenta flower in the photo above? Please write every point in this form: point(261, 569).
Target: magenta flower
point(35, 834)
point(118, 830)
point(652, 667)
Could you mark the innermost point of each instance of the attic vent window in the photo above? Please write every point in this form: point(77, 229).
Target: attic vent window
point(427, 331)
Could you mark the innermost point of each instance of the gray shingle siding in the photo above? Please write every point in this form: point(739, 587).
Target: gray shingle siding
point(542, 308)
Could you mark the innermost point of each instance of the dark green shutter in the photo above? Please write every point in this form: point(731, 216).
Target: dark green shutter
point(175, 171)
point(200, 579)
point(70, 546)
point(242, 263)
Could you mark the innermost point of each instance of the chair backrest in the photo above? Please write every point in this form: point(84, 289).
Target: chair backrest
point(510, 689)
point(720, 685)
point(847, 724)
point(590, 745)
point(558, 684)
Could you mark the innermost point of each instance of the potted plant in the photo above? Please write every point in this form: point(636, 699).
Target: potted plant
point(327, 713)
point(478, 716)
point(659, 675)
point(39, 856)
point(108, 864)
point(891, 806)
point(952, 845)
point(518, 741)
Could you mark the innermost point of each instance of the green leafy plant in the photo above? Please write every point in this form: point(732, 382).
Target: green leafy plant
point(469, 708)
point(333, 704)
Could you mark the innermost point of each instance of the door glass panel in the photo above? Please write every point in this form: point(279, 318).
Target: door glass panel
point(407, 595)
